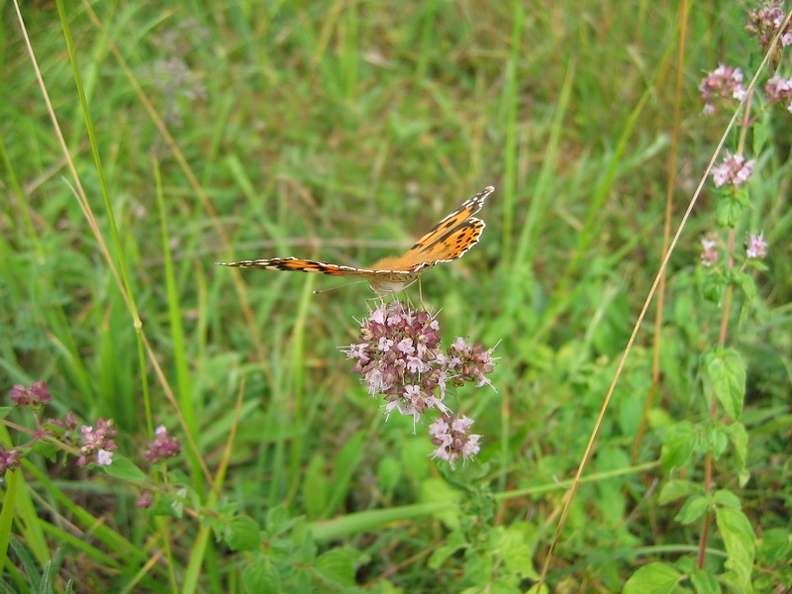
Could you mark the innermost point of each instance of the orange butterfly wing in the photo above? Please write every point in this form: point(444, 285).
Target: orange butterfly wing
point(450, 239)
point(292, 264)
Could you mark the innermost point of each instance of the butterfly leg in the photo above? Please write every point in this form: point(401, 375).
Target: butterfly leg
point(378, 298)
point(420, 296)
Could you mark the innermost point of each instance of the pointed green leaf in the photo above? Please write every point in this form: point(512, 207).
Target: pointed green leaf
point(704, 582)
point(740, 541)
point(655, 578)
point(243, 534)
point(454, 541)
point(693, 509)
point(728, 211)
point(678, 445)
point(775, 547)
point(337, 566)
point(123, 468)
point(726, 372)
point(738, 436)
point(726, 498)
point(260, 577)
point(676, 489)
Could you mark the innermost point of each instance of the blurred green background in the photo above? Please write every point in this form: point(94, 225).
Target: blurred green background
point(343, 131)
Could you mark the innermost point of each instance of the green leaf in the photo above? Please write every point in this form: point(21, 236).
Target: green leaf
point(123, 468)
point(242, 533)
point(738, 436)
point(8, 510)
point(678, 445)
point(337, 566)
point(303, 545)
point(728, 211)
point(713, 285)
point(279, 520)
point(45, 449)
point(676, 489)
point(740, 541)
point(760, 131)
point(726, 498)
point(494, 586)
point(46, 579)
point(260, 577)
point(27, 563)
point(704, 582)
point(478, 567)
point(314, 487)
point(745, 282)
point(693, 509)
point(714, 439)
point(303, 580)
point(455, 541)
point(726, 371)
point(436, 491)
point(775, 547)
point(655, 578)
point(513, 547)
point(167, 505)
point(5, 411)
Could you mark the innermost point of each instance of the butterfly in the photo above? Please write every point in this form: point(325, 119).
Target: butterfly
point(450, 239)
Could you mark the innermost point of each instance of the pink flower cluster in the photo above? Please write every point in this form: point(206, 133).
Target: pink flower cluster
point(399, 356)
point(710, 254)
point(766, 21)
point(97, 444)
point(163, 446)
point(722, 83)
point(35, 395)
point(755, 248)
point(734, 170)
point(453, 437)
point(779, 90)
point(9, 459)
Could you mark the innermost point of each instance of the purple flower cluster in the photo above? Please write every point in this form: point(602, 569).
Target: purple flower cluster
point(9, 460)
point(97, 444)
point(94, 444)
point(722, 83)
point(734, 170)
point(726, 82)
point(163, 446)
point(35, 395)
point(399, 357)
point(470, 362)
point(756, 246)
point(766, 21)
point(453, 438)
point(145, 500)
point(779, 90)
point(710, 254)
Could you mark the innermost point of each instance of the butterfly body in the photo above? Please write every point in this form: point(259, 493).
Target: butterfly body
point(450, 239)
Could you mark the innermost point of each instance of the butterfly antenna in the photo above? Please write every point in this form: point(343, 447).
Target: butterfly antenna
point(338, 287)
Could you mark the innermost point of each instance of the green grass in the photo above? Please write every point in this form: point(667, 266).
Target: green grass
point(196, 134)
